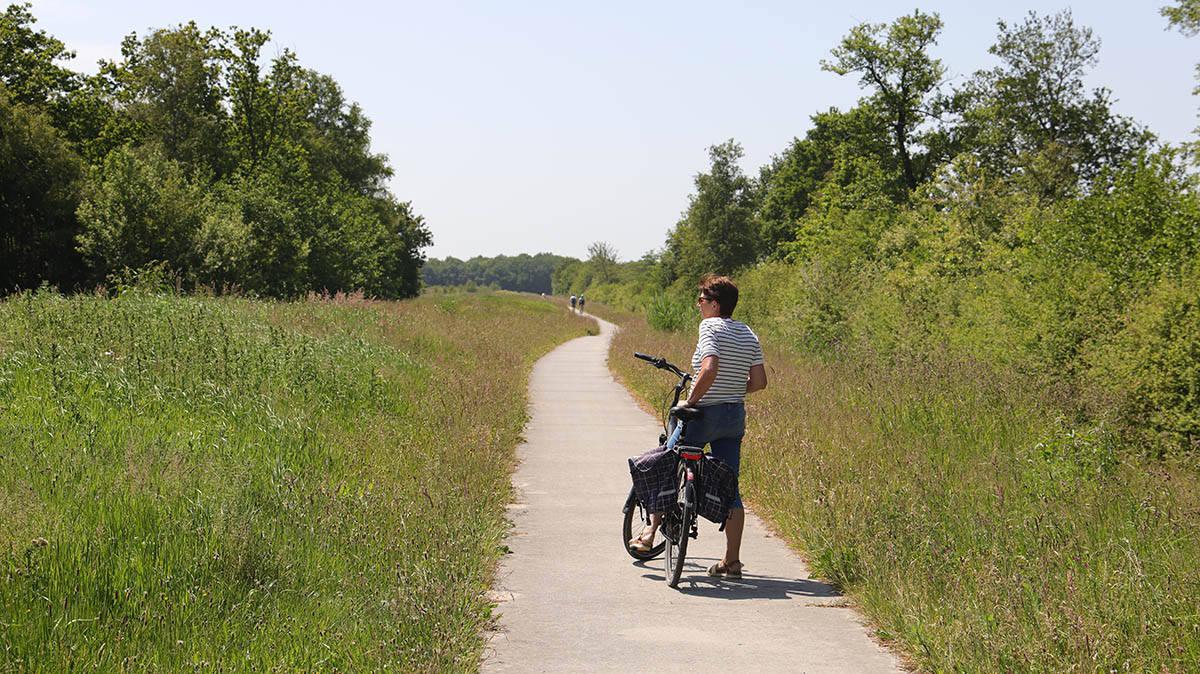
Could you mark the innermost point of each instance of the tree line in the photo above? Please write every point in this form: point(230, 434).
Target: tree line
point(541, 273)
point(1013, 219)
point(520, 273)
point(195, 152)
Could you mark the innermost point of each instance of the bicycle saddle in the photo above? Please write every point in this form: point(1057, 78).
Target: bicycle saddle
point(685, 413)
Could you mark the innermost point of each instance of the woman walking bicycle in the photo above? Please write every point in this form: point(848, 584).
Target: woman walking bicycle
point(728, 363)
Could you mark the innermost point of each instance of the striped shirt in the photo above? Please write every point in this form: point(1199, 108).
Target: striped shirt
point(737, 350)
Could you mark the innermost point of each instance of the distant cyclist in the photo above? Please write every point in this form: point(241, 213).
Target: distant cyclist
point(572, 303)
point(581, 304)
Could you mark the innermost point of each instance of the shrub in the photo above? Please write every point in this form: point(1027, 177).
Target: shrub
point(143, 209)
point(670, 315)
point(1153, 365)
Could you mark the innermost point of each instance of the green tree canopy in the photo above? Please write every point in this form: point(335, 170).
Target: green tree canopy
point(718, 232)
point(142, 209)
point(169, 86)
point(893, 62)
point(521, 273)
point(790, 183)
point(1032, 119)
point(29, 60)
point(602, 257)
point(39, 192)
point(207, 157)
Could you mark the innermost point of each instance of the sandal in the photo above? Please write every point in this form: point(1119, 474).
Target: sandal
point(638, 543)
point(723, 570)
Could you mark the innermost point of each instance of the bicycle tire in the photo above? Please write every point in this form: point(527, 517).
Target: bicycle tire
point(636, 511)
point(682, 515)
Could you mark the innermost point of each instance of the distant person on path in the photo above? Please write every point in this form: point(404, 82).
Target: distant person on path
point(729, 364)
point(581, 304)
point(572, 303)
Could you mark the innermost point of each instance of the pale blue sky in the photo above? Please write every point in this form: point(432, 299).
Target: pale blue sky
point(543, 126)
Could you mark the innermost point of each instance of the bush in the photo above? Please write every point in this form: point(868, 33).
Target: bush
point(1153, 365)
point(222, 246)
point(805, 304)
point(143, 209)
point(667, 314)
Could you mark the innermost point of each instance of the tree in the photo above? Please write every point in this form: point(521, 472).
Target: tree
point(603, 258)
point(337, 140)
point(278, 243)
point(896, 65)
point(29, 60)
point(267, 110)
point(570, 276)
point(1031, 118)
point(789, 184)
point(169, 87)
point(718, 232)
point(30, 69)
point(848, 214)
point(39, 193)
point(1186, 17)
point(402, 256)
point(448, 272)
point(521, 273)
point(226, 168)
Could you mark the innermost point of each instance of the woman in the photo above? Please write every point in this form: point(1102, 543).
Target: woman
point(729, 364)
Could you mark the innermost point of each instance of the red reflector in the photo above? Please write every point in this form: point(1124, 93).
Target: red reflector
point(691, 455)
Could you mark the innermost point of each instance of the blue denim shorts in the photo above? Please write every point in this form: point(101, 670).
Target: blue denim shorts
point(721, 427)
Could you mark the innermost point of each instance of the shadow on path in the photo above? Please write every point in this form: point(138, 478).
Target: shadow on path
point(696, 582)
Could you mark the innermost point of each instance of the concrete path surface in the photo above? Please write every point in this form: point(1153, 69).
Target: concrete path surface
point(572, 600)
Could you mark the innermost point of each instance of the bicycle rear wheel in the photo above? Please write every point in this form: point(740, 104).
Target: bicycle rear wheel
point(633, 522)
point(679, 529)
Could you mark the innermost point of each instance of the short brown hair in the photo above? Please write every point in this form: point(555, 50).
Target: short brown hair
point(721, 290)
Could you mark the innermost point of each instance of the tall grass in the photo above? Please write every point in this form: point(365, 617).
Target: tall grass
point(210, 484)
point(976, 528)
point(670, 314)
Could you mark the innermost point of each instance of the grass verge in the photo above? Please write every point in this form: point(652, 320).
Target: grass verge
point(977, 529)
point(193, 483)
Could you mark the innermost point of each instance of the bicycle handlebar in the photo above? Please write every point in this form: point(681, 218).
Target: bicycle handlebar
point(684, 378)
point(660, 363)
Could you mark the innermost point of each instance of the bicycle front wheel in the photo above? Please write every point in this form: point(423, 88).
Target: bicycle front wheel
point(636, 518)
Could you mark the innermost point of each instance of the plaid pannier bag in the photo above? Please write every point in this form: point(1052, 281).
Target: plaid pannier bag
point(654, 478)
point(717, 490)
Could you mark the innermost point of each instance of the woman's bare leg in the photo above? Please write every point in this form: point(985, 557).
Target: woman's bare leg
point(733, 536)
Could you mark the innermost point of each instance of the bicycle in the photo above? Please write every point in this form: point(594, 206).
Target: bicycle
point(679, 519)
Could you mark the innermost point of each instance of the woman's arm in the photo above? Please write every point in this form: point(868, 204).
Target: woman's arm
point(757, 380)
point(704, 380)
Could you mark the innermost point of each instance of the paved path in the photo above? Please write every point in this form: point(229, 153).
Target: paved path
point(572, 600)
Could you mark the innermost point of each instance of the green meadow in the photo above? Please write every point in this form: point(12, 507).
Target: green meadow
point(193, 483)
point(975, 528)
